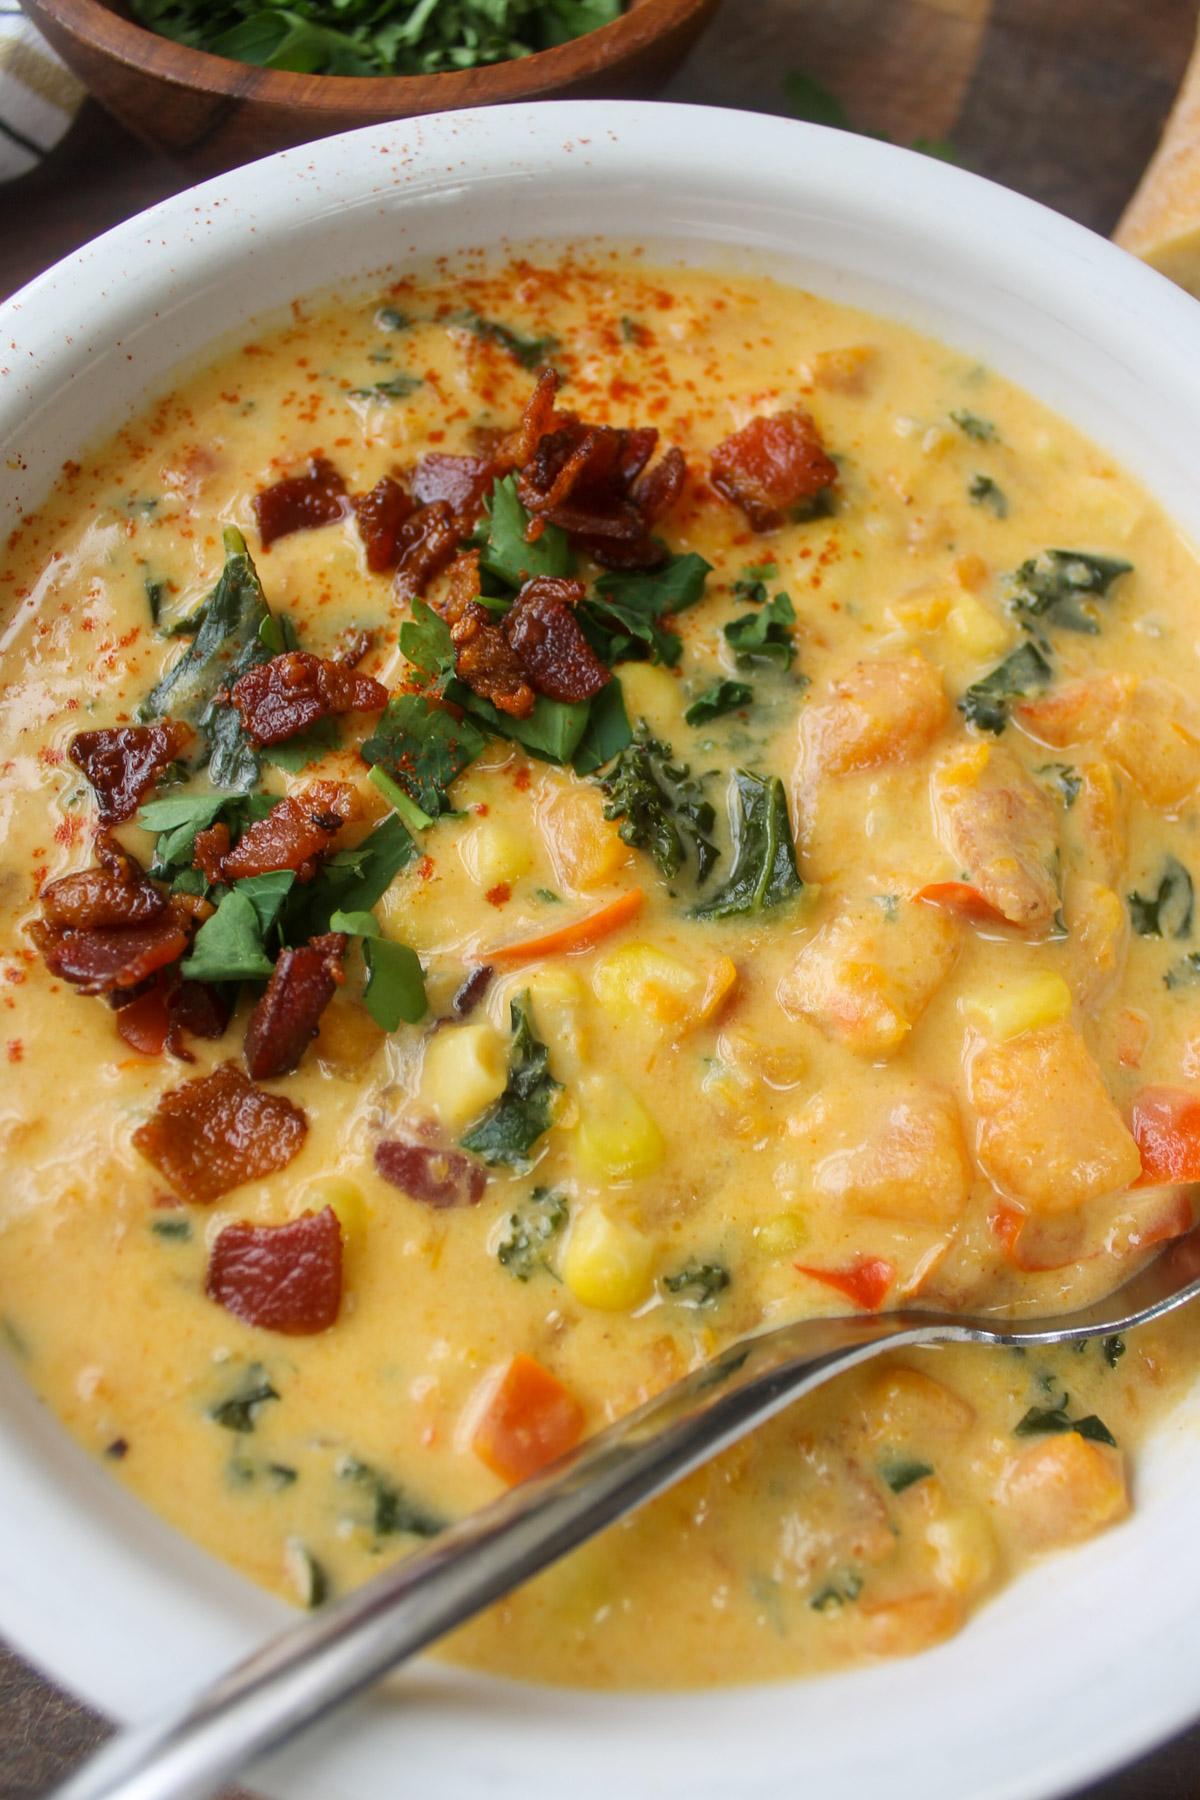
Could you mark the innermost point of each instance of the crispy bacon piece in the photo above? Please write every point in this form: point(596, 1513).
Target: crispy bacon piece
point(106, 960)
point(288, 1016)
point(438, 1177)
point(107, 930)
point(771, 465)
point(277, 699)
point(216, 1132)
point(380, 515)
point(591, 479)
point(155, 1021)
point(123, 763)
point(294, 835)
point(462, 586)
point(487, 663)
point(118, 893)
point(581, 477)
point(556, 656)
point(144, 1024)
point(196, 1007)
point(426, 542)
point(538, 418)
point(301, 503)
point(656, 492)
point(463, 482)
point(284, 1278)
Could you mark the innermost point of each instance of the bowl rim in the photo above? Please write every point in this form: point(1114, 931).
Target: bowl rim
point(1031, 271)
point(93, 23)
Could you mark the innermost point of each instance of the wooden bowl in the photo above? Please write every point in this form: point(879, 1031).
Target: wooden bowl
point(212, 114)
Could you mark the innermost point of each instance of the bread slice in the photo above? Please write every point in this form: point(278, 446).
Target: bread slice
point(1161, 224)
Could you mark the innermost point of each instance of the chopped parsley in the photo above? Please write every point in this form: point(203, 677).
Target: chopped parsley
point(764, 636)
point(722, 697)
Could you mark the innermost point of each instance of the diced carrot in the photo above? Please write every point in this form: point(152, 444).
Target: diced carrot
point(866, 1283)
point(581, 934)
point(144, 1024)
point(1166, 1127)
point(962, 898)
point(530, 1419)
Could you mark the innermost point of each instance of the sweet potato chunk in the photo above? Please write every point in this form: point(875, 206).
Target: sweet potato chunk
point(528, 1421)
point(216, 1132)
point(771, 465)
point(285, 1278)
point(1047, 1131)
point(1151, 728)
point(890, 1149)
point(1063, 1491)
point(291, 692)
point(121, 765)
point(1000, 828)
point(881, 712)
point(868, 975)
point(288, 1017)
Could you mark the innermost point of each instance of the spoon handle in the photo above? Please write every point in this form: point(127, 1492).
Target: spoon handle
point(316, 1665)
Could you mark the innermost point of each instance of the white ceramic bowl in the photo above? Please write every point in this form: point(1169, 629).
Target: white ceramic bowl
point(1092, 1658)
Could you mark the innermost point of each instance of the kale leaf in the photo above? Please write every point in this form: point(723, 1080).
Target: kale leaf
point(983, 491)
point(228, 641)
point(980, 431)
point(239, 1410)
point(531, 1229)
point(512, 1125)
point(764, 635)
point(986, 702)
point(396, 387)
point(1066, 779)
point(722, 697)
point(1044, 1420)
point(905, 1473)
point(393, 1512)
point(1184, 973)
point(764, 859)
point(698, 1284)
point(663, 809)
point(1172, 908)
point(1057, 585)
point(531, 352)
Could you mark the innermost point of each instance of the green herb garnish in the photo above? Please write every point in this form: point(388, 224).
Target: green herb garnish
point(1172, 909)
point(1059, 585)
point(395, 990)
point(1048, 1420)
point(722, 697)
point(239, 1410)
point(663, 811)
point(905, 1474)
point(393, 1511)
point(983, 491)
point(980, 431)
point(698, 1284)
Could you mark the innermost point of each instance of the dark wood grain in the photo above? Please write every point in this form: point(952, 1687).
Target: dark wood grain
point(214, 114)
point(1063, 102)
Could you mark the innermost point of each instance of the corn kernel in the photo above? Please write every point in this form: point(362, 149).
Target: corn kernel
point(495, 853)
point(974, 629)
point(1042, 1000)
point(465, 1069)
point(556, 995)
point(606, 1262)
point(845, 371)
point(918, 613)
point(347, 1201)
point(616, 1139)
point(639, 978)
point(654, 695)
point(786, 1232)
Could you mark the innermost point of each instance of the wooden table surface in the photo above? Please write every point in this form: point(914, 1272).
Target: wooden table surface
point(1061, 99)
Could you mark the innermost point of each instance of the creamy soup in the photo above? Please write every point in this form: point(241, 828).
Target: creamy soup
point(551, 817)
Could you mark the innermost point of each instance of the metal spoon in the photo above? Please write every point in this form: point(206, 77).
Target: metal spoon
point(312, 1667)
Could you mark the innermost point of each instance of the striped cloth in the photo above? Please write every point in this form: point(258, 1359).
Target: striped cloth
point(39, 96)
